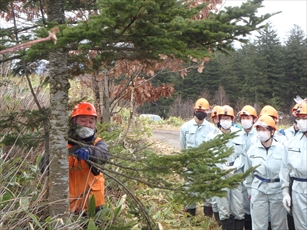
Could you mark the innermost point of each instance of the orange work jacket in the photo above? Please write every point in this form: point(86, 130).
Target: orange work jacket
point(83, 184)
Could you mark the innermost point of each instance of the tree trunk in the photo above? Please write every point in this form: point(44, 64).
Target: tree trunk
point(98, 95)
point(106, 116)
point(59, 85)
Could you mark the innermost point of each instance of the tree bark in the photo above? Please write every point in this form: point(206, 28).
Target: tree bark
point(59, 85)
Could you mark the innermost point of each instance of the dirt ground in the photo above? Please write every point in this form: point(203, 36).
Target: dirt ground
point(167, 137)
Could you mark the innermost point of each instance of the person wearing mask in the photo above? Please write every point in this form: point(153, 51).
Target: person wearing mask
point(263, 184)
point(293, 173)
point(192, 134)
point(231, 212)
point(84, 145)
point(248, 117)
point(293, 129)
point(279, 135)
point(272, 112)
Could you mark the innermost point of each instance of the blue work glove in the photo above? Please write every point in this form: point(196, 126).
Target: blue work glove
point(83, 153)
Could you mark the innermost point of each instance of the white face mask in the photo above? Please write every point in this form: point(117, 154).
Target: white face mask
point(302, 125)
point(226, 124)
point(84, 132)
point(263, 135)
point(246, 124)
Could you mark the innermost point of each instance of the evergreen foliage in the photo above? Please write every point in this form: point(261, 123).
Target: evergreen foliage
point(265, 71)
point(191, 174)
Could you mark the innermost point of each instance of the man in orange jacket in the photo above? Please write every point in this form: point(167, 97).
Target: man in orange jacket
point(84, 179)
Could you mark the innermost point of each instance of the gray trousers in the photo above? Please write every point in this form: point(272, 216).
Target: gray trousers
point(246, 202)
point(299, 210)
point(265, 205)
point(232, 204)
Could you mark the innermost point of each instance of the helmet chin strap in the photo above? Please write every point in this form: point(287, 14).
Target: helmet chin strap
point(271, 136)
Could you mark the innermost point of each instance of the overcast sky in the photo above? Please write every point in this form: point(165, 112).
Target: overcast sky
point(293, 12)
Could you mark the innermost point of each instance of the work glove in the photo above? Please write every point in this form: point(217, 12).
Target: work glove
point(83, 153)
point(286, 199)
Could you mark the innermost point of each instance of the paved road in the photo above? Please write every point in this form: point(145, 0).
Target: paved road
point(169, 137)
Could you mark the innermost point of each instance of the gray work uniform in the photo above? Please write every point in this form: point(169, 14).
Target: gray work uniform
point(232, 204)
point(290, 132)
point(264, 186)
point(191, 136)
point(294, 166)
point(247, 142)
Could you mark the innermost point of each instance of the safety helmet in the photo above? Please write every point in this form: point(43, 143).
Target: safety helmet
point(202, 103)
point(249, 111)
point(295, 107)
point(84, 108)
point(226, 110)
point(215, 110)
point(266, 121)
point(269, 110)
point(301, 109)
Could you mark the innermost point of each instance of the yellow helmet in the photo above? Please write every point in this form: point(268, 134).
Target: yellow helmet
point(226, 110)
point(202, 104)
point(301, 109)
point(266, 121)
point(214, 111)
point(269, 110)
point(249, 111)
point(295, 107)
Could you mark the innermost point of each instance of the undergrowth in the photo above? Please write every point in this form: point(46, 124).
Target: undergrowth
point(24, 190)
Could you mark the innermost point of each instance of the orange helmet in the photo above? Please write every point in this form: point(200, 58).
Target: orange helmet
point(202, 103)
point(84, 108)
point(215, 110)
point(269, 110)
point(301, 109)
point(249, 111)
point(266, 121)
point(226, 110)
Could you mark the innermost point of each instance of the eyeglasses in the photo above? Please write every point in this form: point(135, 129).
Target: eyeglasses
point(301, 118)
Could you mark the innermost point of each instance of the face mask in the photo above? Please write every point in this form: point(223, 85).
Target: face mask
point(302, 125)
point(85, 132)
point(226, 124)
point(200, 115)
point(246, 124)
point(263, 136)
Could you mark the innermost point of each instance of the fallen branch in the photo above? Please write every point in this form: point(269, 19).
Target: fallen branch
point(51, 36)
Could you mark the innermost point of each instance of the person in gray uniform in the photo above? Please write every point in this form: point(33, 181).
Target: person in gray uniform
point(263, 184)
point(293, 173)
point(248, 117)
point(192, 134)
point(230, 208)
point(293, 130)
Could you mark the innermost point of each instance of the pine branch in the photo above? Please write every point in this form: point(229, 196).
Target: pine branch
point(51, 36)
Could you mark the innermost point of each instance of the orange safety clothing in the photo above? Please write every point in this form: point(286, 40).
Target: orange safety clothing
point(83, 184)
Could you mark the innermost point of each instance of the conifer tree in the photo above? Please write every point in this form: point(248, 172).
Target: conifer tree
point(295, 53)
point(118, 30)
point(269, 50)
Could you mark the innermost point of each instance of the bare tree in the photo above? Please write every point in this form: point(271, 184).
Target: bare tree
point(220, 97)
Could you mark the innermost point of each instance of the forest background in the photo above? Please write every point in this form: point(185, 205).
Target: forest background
point(124, 74)
point(264, 72)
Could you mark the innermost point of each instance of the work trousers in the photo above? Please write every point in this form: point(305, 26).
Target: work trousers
point(264, 205)
point(299, 210)
point(231, 205)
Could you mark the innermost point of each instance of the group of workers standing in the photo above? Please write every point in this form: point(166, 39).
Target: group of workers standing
point(274, 195)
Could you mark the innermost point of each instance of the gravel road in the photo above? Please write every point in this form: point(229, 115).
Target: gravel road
point(169, 137)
